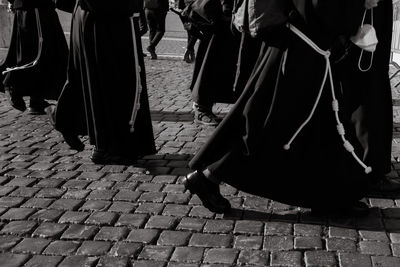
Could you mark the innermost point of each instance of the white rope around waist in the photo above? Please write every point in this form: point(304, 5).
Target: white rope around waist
point(335, 103)
point(40, 43)
point(138, 91)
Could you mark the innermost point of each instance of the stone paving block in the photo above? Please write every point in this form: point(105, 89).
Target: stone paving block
point(66, 204)
point(9, 202)
point(211, 240)
point(79, 232)
point(90, 175)
point(278, 243)
point(18, 227)
point(340, 244)
point(46, 215)
point(320, 258)
point(173, 238)
point(148, 263)
point(42, 260)
point(24, 192)
point(75, 184)
point(39, 203)
point(174, 188)
point(191, 224)
point(111, 233)
point(112, 262)
point(102, 218)
point(221, 256)
point(49, 183)
point(79, 261)
point(100, 185)
point(176, 210)
point(201, 212)
point(308, 242)
point(13, 260)
point(394, 237)
point(374, 236)
point(161, 222)
point(31, 246)
point(76, 193)
point(94, 248)
point(343, 233)
point(18, 173)
point(395, 250)
point(125, 249)
point(385, 261)
point(140, 178)
point(219, 226)
point(354, 260)
point(21, 181)
point(62, 248)
point(156, 253)
point(50, 193)
point(127, 195)
point(150, 208)
point(122, 207)
point(253, 258)
point(132, 220)
point(116, 177)
point(7, 242)
point(155, 197)
point(95, 205)
point(248, 227)
point(17, 214)
point(49, 230)
point(307, 230)
point(165, 179)
point(248, 242)
point(102, 194)
point(147, 236)
point(75, 217)
point(177, 198)
point(374, 248)
point(187, 254)
point(278, 228)
point(65, 175)
point(149, 187)
point(5, 190)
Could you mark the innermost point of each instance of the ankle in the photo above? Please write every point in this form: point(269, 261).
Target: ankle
point(212, 178)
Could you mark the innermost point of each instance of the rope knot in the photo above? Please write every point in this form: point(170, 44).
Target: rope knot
point(340, 129)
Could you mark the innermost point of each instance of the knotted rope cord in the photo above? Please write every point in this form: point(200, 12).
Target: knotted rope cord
point(138, 91)
point(335, 103)
point(362, 50)
point(40, 43)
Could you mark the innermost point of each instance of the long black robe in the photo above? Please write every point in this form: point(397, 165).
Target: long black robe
point(368, 94)
point(246, 150)
point(46, 79)
point(98, 98)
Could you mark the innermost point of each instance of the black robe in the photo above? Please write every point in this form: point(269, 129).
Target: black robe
point(98, 98)
point(368, 95)
point(46, 79)
point(247, 148)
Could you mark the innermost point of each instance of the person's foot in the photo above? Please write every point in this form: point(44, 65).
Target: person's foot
point(152, 52)
point(207, 191)
point(37, 106)
point(104, 158)
point(14, 99)
point(144, 54)
point(206, 118)
point(188, 57)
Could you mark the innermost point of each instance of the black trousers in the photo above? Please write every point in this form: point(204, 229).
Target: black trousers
point(156, 22)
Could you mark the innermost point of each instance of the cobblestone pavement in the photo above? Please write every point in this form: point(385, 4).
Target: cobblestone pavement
point(59, 209)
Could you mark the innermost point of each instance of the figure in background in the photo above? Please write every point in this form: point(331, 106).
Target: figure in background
point(284, 116)
point(215, 68)
point(368, 96)
point(105, 96)
point(189, 55)
point(156, 12)
point(37, 58)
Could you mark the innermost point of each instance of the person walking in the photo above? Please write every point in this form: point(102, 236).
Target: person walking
point(368, 95)
point(106, 94)
point(280, 139)
point(189, 55)
point(156, 12)
point(37, 58)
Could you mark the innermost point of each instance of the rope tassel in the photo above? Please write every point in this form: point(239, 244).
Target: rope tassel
point(335, 104)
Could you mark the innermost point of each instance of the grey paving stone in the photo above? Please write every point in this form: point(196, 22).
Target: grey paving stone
point(156, 253)
point(79, 261)
point(102, 218)
point(18, 227)
point(253, 258)
point(288, 258)
point(113, 262)
point(79, 232)
point(62, 248)
point(94, 248)
point(43, 261)
point(161, 222)
point(354, 260)
point(17, 214)
point(13, 260)
point(320, 258)
point(278, 243)
point(49, 230)
point(132, 220)
point(187, 254)
point(173, 238)
point(146, 236)
point(221, 256)
point(46, 215)
point(31, 246)
point(210, 240)
point(248, 242)
point(7, 242)
point(248, 227)
point(111, 233)
point(125, 249)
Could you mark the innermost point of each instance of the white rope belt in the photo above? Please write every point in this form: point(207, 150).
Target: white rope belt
point(40, 43)
point(138, 91)
point(335, 103)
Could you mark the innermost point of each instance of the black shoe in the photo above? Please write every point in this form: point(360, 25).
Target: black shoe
point(207, 191)
point(72, 140)
point(36, 111)
point(104, 158)
point(152, 52)
point(354, 209)
point(38, 106)
point(14, 99)
point(187, 57)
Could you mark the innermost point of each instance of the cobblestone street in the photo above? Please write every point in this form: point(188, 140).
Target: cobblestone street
point(57, 208)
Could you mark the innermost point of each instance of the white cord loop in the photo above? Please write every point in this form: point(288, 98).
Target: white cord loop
point(335, 103)
point(40, 44)
point(138, 91)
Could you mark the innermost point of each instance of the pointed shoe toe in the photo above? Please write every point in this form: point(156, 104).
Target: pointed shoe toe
point(207, 191)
